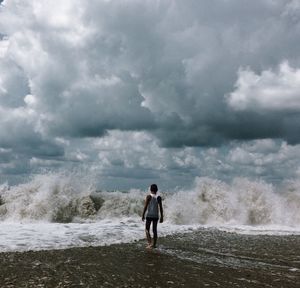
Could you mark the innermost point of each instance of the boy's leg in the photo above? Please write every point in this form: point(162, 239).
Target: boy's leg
point(147, 230)
point(154, 227)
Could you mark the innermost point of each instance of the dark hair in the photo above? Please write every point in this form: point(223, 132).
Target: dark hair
point(153, 188)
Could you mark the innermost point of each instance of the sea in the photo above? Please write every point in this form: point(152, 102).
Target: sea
point(57, 211)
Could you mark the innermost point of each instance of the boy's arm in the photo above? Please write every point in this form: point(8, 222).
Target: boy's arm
point(161, 210)
point(145, 206)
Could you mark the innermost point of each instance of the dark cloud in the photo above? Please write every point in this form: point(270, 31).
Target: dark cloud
point(133, 66)
point(191, 73)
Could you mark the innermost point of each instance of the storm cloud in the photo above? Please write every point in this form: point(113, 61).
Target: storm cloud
point(188, 74)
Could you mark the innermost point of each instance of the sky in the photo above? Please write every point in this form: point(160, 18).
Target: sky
point(136, 92)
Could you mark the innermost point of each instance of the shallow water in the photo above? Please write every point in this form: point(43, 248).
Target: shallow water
point(44, 235)
point(277, 257)
point(204, 258)
point(16, 236)
point(220, 248)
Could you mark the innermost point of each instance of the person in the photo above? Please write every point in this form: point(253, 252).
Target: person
point(153, 207)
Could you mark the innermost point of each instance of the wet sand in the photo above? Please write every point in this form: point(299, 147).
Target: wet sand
point(207, 258)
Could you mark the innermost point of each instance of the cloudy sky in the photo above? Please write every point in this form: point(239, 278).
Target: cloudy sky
point(142, 91)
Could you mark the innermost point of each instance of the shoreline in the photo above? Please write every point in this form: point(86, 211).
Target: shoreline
point(131, 265)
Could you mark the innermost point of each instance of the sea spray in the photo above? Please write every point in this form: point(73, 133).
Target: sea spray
point(243, 202)
point(50, 197)
point(120, 204)
point(72, 198)
point(55, 211)
point(208, 202)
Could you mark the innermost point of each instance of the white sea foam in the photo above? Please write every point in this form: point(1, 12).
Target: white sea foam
point(52, 198)
point(43, 236)
point(243, 202)
point(59, 211)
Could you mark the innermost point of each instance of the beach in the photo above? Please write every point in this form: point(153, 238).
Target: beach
point(203, 258)
point(185, 113)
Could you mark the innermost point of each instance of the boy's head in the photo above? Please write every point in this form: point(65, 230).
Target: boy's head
point(153, 188)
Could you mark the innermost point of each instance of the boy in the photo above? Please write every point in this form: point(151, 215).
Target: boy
point(152, 203)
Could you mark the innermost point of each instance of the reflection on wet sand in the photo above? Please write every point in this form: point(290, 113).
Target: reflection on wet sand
point(206, 258)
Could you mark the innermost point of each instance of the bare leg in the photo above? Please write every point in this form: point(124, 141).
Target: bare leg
point(147, 230)
point(154, 227)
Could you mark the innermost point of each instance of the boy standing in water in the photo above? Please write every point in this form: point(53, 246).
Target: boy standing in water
point(152, 203)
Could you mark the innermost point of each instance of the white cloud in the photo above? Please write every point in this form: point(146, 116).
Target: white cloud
point(3, 47)
point(30, 100)
point(107, 83)
point(82, 61)
point(268, 157)
point(270, 91)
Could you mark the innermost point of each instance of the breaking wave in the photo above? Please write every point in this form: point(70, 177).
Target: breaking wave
point(68, 198)
point(243, 202)
point(65, 198)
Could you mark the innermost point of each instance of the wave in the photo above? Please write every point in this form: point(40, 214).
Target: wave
point(243, 202)
point(72, 198)
point(65, 198)
point(51, 197)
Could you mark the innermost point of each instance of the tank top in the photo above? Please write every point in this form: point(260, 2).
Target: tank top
point(153, 206)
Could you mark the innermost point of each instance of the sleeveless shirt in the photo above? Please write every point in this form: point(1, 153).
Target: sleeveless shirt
point(153, 206)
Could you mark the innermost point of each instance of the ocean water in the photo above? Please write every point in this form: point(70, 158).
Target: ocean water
point(57, 211)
